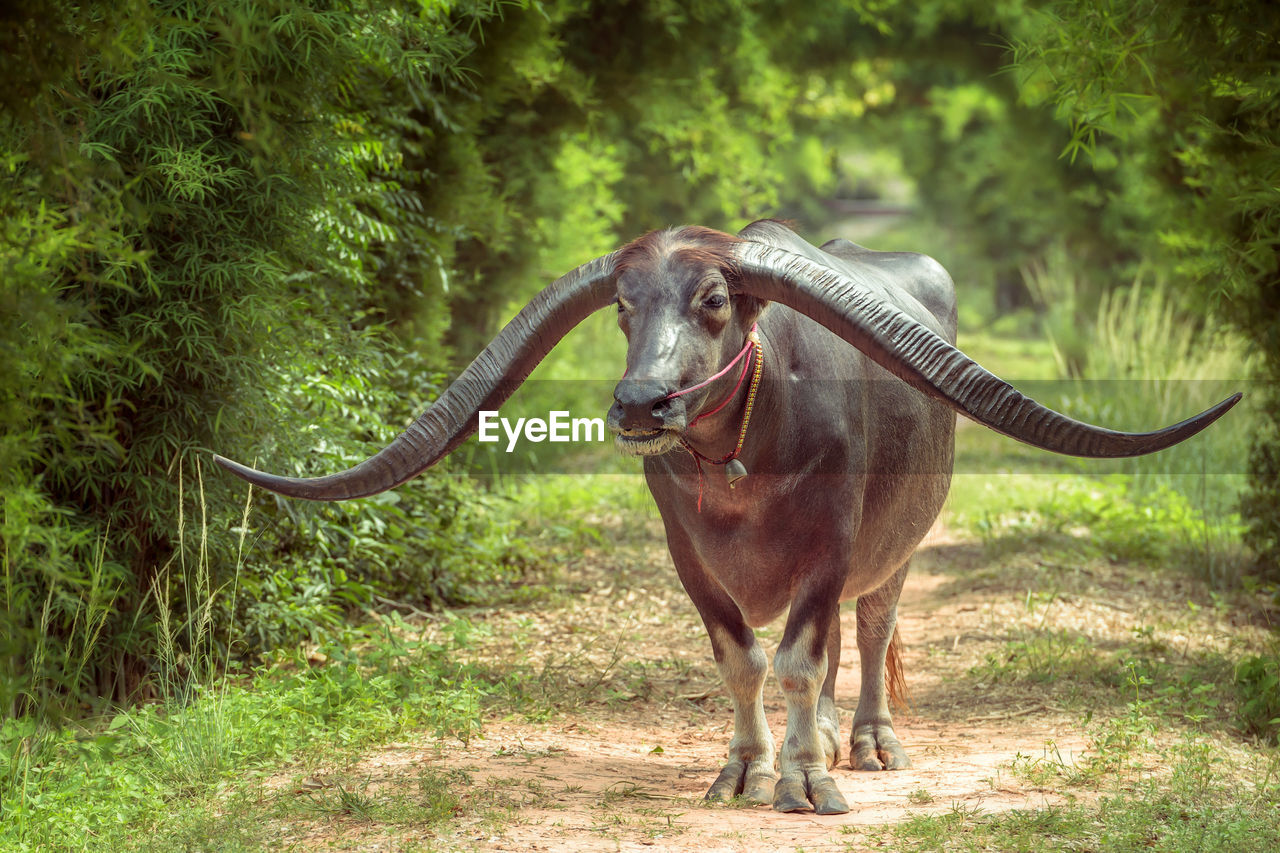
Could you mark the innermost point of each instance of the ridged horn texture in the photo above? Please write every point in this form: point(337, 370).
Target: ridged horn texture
point(487, 382)
point(858, 312)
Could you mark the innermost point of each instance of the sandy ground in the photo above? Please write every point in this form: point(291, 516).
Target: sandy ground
point(641, 724)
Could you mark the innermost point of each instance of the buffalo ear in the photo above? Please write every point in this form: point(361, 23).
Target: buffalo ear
point(747, 308)
point(748, 305)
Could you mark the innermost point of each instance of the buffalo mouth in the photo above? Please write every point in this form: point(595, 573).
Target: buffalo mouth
point(642, 442)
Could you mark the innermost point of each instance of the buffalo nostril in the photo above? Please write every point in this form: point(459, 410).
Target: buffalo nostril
point(642, 405)
point(646, 416)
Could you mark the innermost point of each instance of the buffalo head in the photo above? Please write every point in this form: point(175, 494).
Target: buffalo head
point(685, 315)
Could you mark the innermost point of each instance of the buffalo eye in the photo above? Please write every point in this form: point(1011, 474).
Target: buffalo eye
point(715, 301)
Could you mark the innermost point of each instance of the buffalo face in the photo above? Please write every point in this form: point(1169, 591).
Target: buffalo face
point(683, 321)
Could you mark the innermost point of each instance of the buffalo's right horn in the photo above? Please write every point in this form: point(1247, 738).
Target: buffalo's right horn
point(487, 382)
point(863, 313)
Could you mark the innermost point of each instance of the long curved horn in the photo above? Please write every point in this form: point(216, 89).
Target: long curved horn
point(859, 312)
point(487, 382)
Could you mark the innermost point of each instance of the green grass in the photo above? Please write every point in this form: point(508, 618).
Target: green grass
point(1089, 517)
point(187, 774)
point(1007, 349)
point(153, 774)
point(99, 786)
point(1170, 763)
point(1196, 800)
point(1043, 656)
point(1156, 774)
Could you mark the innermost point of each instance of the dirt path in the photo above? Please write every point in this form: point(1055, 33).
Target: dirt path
point(640, 725)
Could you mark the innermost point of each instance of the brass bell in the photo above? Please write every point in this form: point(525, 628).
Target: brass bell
point(734, 471)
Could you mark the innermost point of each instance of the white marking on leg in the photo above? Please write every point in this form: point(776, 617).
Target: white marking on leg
point(801, 676)
point(744, 672)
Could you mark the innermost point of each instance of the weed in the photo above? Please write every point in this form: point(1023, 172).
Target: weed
point(498, 798)
point(664, 825)
point(563, 681)
point(235, 825)
point(438, 789)
point(1257, 680)
point(340, 801)
point(620, 791)
point(1051, 769)
point(1147, 366)
point(1044, 656)
point(1175, 506)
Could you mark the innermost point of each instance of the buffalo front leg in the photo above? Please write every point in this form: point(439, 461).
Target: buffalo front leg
point(743, 667)
point(802, 665)
point(874, 745)
point(749, 772)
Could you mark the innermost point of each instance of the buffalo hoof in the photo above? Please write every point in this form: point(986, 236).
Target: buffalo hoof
point(802, 791)
point(740, 779)
point(876, 747)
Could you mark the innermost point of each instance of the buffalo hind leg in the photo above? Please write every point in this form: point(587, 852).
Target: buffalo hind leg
point(874, 746)
point(828, 716)
point(802, 666)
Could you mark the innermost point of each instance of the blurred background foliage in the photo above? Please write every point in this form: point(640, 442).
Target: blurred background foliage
point(275, 228)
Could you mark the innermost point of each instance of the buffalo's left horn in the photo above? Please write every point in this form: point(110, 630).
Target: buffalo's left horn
point(486, 383)
point(863, 313)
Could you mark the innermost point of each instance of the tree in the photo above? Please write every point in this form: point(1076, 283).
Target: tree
point(1186, 93)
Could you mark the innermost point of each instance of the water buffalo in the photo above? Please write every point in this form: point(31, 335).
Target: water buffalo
point(844, 434)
